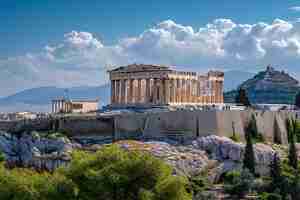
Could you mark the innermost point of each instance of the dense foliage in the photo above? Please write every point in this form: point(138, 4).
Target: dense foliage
point(242, 98)
point(110, 174)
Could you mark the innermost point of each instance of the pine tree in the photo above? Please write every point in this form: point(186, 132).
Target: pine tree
point(242, 98)
point(249, 157)
point(297, 100)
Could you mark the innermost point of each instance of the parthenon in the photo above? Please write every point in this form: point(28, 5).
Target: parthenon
point(154, 85)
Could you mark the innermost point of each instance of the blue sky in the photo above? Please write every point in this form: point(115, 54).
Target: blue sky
point(29, 25)
point(73, 43)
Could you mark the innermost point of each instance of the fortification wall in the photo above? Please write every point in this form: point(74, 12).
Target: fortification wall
point(202, 123)
point(187, 124)
point(86, 126)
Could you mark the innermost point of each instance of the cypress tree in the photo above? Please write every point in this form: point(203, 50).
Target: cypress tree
point(242, 98)
point(297, 100)
point(275, 172)
point(293, 157)
point(249, 157)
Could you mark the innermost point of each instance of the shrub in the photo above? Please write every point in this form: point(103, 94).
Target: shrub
point(199, 183)
point(109, 174)
point(269, 196)
point(235, 137)
point(239, 183)
point(112, 173)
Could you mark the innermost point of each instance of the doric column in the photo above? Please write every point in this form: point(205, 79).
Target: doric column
point(139, 91)
point(123, 91)
point(112, 91)
point(178, 91)
point(220, 86)
point(161, 91)
point(167, 91)
point(56, 106)
point(172, 90)
point(194, 94)
point(155, 90)
point(183, 91)
point(147, 97)
point(188, 90)
point(130, 92)
point(117, 96)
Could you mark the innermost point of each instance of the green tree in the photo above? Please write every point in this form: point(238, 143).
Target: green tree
point(242, 98)
point(292, 156)
point(239, 183)
point(275, 172)
point(297, 100)
point(113, 174)
point(249, 157)
point(252, 130)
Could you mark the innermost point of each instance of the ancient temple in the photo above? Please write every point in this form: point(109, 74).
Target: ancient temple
point(153, 85)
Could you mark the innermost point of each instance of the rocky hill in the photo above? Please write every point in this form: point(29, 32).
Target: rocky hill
point(268, 87)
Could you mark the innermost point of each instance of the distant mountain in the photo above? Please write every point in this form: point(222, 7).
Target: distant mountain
point(269, 87)
point(234, 78)
point(39, 99)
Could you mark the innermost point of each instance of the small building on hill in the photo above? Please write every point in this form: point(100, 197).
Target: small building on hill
point(268, 87)
point(74, 106)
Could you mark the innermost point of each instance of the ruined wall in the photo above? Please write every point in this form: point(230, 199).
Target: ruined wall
point(187, 124)
point(86, 126)
point(203, 123)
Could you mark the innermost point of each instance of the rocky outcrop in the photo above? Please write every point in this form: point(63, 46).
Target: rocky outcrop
point(184, 159)
point(231, 154)
point(32, 150)
point(214, 154)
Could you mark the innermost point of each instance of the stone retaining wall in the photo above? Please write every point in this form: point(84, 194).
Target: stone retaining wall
point(186, 124)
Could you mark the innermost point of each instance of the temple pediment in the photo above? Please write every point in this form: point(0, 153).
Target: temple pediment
point(139, 68)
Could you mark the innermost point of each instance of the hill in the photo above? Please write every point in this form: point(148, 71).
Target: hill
point(268, 87)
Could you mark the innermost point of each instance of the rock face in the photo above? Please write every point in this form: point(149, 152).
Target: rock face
point(184, 159)
point(31, 150)
point(231, 154)
point(215, 154)
point(269, 87)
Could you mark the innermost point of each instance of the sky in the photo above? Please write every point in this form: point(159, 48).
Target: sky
point(72, 43)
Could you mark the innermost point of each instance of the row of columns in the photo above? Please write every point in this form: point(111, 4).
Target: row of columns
point(61, 106)
point(165, 91)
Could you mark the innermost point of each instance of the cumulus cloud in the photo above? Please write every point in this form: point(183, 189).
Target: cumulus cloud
point(295, 8)
point(82, 59)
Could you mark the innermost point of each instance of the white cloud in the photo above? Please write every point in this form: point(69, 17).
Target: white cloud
point(82, 59)
point(295, 8)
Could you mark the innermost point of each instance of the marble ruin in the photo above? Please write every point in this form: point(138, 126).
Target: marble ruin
point(153, 85)
point(62, 105)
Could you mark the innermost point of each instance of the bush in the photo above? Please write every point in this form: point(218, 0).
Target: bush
point(23, 184)
point(199, 183)
point(113, 173)
point(239, 183)
point(206, 196)
point(109, 174)
point(235, 137)
point(269, 196)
